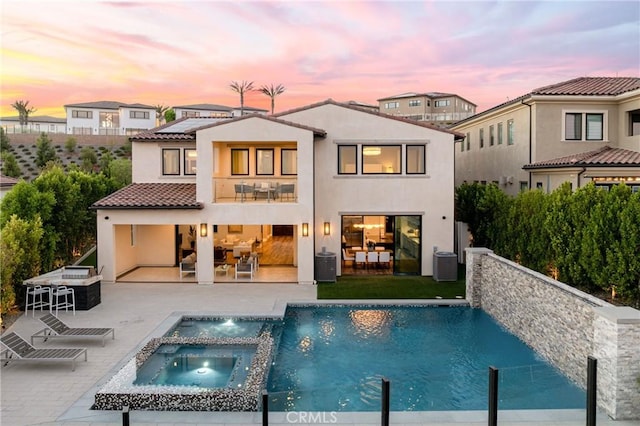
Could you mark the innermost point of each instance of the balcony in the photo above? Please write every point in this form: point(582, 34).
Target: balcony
point(255, 189)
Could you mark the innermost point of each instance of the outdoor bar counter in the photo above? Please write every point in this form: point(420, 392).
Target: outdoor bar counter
point(82, 279)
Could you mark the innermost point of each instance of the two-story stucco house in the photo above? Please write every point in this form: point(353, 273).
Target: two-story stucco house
point(438, 108)
point(109, 118)
point(578, 131)
point(280, 189)
point(36, 124)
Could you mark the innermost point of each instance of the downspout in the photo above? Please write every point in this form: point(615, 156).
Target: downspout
point(530, 137)
point(584, 169)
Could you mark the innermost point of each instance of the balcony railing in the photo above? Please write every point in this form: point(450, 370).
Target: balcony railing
point(255, 189)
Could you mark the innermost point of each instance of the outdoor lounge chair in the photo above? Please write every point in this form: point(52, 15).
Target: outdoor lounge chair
point(19, 350)
point(56, 329)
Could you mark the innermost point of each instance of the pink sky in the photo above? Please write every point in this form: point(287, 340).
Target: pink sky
point(187, 52)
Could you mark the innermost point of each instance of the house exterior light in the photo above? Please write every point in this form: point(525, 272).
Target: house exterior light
point(305, 229)
point(203, 230)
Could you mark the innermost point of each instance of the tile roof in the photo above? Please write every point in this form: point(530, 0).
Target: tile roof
point(205, 107)
point(108, 105)
point(7, 182)
point(457, 135)
point(316, 131)
point(432, 95)
point(37, 118)
point(152, 196)
point(603, 157)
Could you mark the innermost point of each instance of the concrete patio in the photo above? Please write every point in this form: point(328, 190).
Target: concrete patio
point(45, 394)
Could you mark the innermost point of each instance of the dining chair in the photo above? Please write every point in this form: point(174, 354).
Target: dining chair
point(384, 259)
point(372, 258)
point(346, 258)
point(361, 258)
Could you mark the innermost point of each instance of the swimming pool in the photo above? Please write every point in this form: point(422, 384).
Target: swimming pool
point(332, 358)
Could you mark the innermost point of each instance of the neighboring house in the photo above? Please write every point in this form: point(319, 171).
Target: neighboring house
point(577, 131)
point(203, 110)
point(249, 110)
point(109, 118)
point(36, 124)
point(353, 173)
point(440, 109)
point(6, 184)
point(374, 108)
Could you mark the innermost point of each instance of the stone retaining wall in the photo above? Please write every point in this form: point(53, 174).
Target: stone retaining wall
point(564, 325)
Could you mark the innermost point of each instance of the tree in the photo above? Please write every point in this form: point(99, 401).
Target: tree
point(70, 144)
point(89, 158)
point(10, 166)
point(241, 88)
point(105, 159)
point(272, 91)
point(44, 151)
point(161, 110)
point(169, 115)
point(20, 257)
point(4, 141)
point(120, 173)
point(24, 110)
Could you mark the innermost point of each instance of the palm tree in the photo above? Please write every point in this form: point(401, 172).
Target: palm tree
point(242, 88)
point(272, 91)
point(23, 112)
point(160, 110)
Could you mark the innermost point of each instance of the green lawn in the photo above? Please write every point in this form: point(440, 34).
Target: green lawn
point(391, 287)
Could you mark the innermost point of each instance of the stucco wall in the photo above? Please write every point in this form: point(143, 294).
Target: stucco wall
point(564, 325)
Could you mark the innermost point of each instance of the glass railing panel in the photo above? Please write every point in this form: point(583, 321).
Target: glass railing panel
point(255, 189)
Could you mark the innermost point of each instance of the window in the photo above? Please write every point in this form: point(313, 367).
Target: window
point(492, 135)
point(109, 120)
point(499, 133)
point(462, 146)
point(415, 102)
point(190, 114)
point(539, 185)
point(583, 126)
point(289, 164)
point(264, 161)
point(190, 161)
point(381, 159)
point(170, 161)
point(391, 105)
point(634, 123)
point(510, 139)
point(481, 138)
point(139, 114)
point(81, 114)
point(347, 159)
point(468, 141)
point(440, 104)
point(524, 185)
point(415, 159)
point(239, 161)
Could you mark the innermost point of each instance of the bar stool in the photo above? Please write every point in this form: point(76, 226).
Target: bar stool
point(63, 297)
point(35, 299)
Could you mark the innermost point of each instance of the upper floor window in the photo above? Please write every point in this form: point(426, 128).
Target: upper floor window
point(139, 114)
point(171, 161)
point(381, 159)
point(81, 114)
point(289, 162)
point(347, 159)
point(468, 141)
point(264, 161)
point(390, 105)
point(443, 103)
point(492, 135)
point(190, 161)
point(109, 120)
point(634, 122)
point(499, 133)
point(481, 138)
point(190, 114)
point(415, 102)
point(510, 134)
point(415, 159)
point(580, 126)
point(239, 161)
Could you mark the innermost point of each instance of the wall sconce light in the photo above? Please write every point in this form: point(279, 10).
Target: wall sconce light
point(305, 229)
point(203, 229)
point(327, 228)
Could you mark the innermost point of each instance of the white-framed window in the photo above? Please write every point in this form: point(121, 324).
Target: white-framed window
point(391, 105)
point(139, 114)
point(492, 135)
point(264, 161)
point(171, 161)
point(499, 133)
point(481, 135)
point(76, 113)
point(634, 122)
point(190, 161)
point(443, 103)
point(510, 133)
point(190, 114)
point(584, 126)
point(415, 102)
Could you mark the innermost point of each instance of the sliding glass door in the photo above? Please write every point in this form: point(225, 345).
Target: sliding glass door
point(408, 245)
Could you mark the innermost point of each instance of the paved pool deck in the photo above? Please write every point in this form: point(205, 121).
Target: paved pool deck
point(50, 394)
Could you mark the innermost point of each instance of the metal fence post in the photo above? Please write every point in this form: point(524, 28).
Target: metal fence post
point(265, 408)
point(385, 402)
point(125, 415)
point(493, 396)
point(592, 390)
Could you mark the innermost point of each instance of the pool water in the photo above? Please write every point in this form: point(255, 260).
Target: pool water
point(197, 366)
point(217, 327)
point(436, 358)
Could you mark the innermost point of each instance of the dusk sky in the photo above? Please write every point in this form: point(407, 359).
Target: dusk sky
point(186, 52)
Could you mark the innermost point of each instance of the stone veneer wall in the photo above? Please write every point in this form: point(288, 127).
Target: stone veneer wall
point(564, 325)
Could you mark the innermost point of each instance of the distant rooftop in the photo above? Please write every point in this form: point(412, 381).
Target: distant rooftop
point(206, 107)
point(108, 105)
point(34, 118)
point(432, 95)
